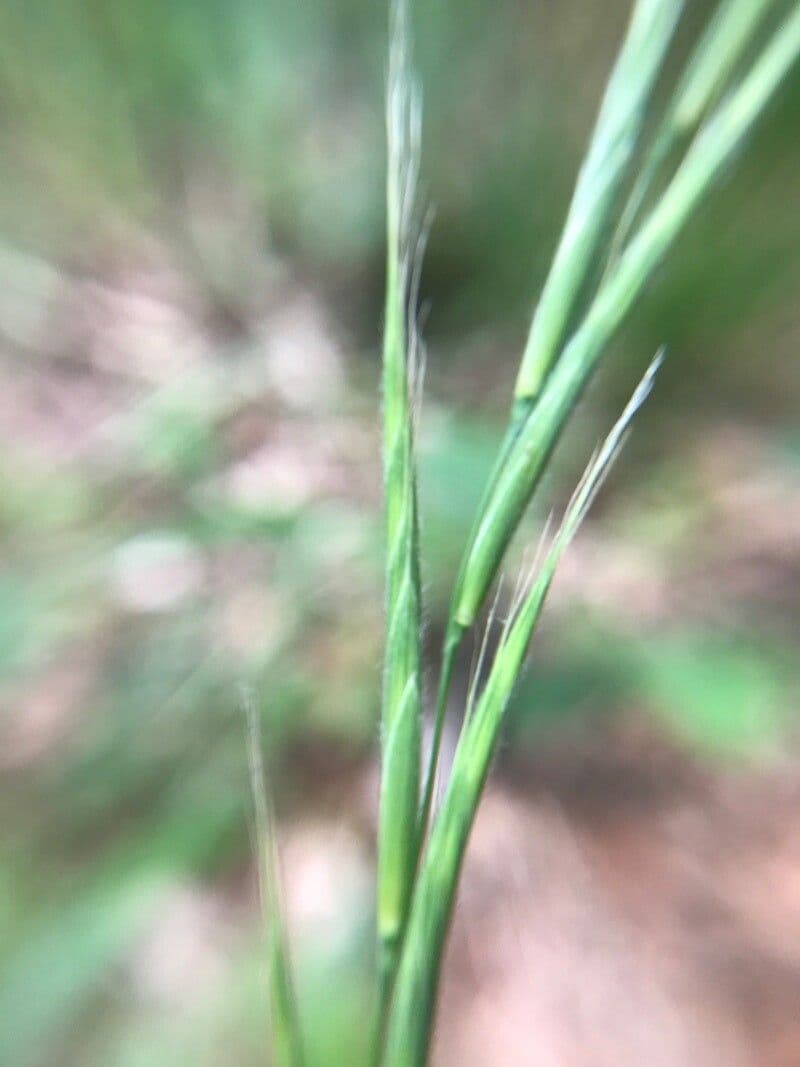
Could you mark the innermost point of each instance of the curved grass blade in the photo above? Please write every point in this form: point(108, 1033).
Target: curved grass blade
point(730, 31)
point(605, 168)
point(708, 155)
point(286, 1036)
point(604, 171)
point(607, 165)
point(411, 1018)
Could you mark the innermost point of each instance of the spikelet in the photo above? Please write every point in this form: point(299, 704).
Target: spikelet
point(411, 1019)
point(402, 688)
point(287, 1044)
point(711, 150)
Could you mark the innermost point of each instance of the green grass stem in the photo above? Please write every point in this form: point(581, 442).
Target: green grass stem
point(711, 150)
point(606, 166)
point(729, 33)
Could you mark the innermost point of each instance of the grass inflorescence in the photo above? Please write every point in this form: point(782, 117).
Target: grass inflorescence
point(409, 1032)
point(402, 689)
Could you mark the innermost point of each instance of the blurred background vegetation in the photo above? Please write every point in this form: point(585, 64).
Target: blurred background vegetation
point(191, 246)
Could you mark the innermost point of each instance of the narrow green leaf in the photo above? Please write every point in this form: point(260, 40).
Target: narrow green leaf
point(605, 168)
point(729, 32)
point(411, 1018)
point(711, 150)
point(604, 171)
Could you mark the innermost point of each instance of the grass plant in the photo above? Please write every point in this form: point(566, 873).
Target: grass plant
point(409, 1032)
point(616, 235)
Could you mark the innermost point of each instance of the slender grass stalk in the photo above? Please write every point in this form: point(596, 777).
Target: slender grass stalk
point(728, 34)
point(411, 1019)
point(605, 168)
point(286, 1034)
point(711, 150)
point(616, 132)
point(402, 690)
point(604, 171)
